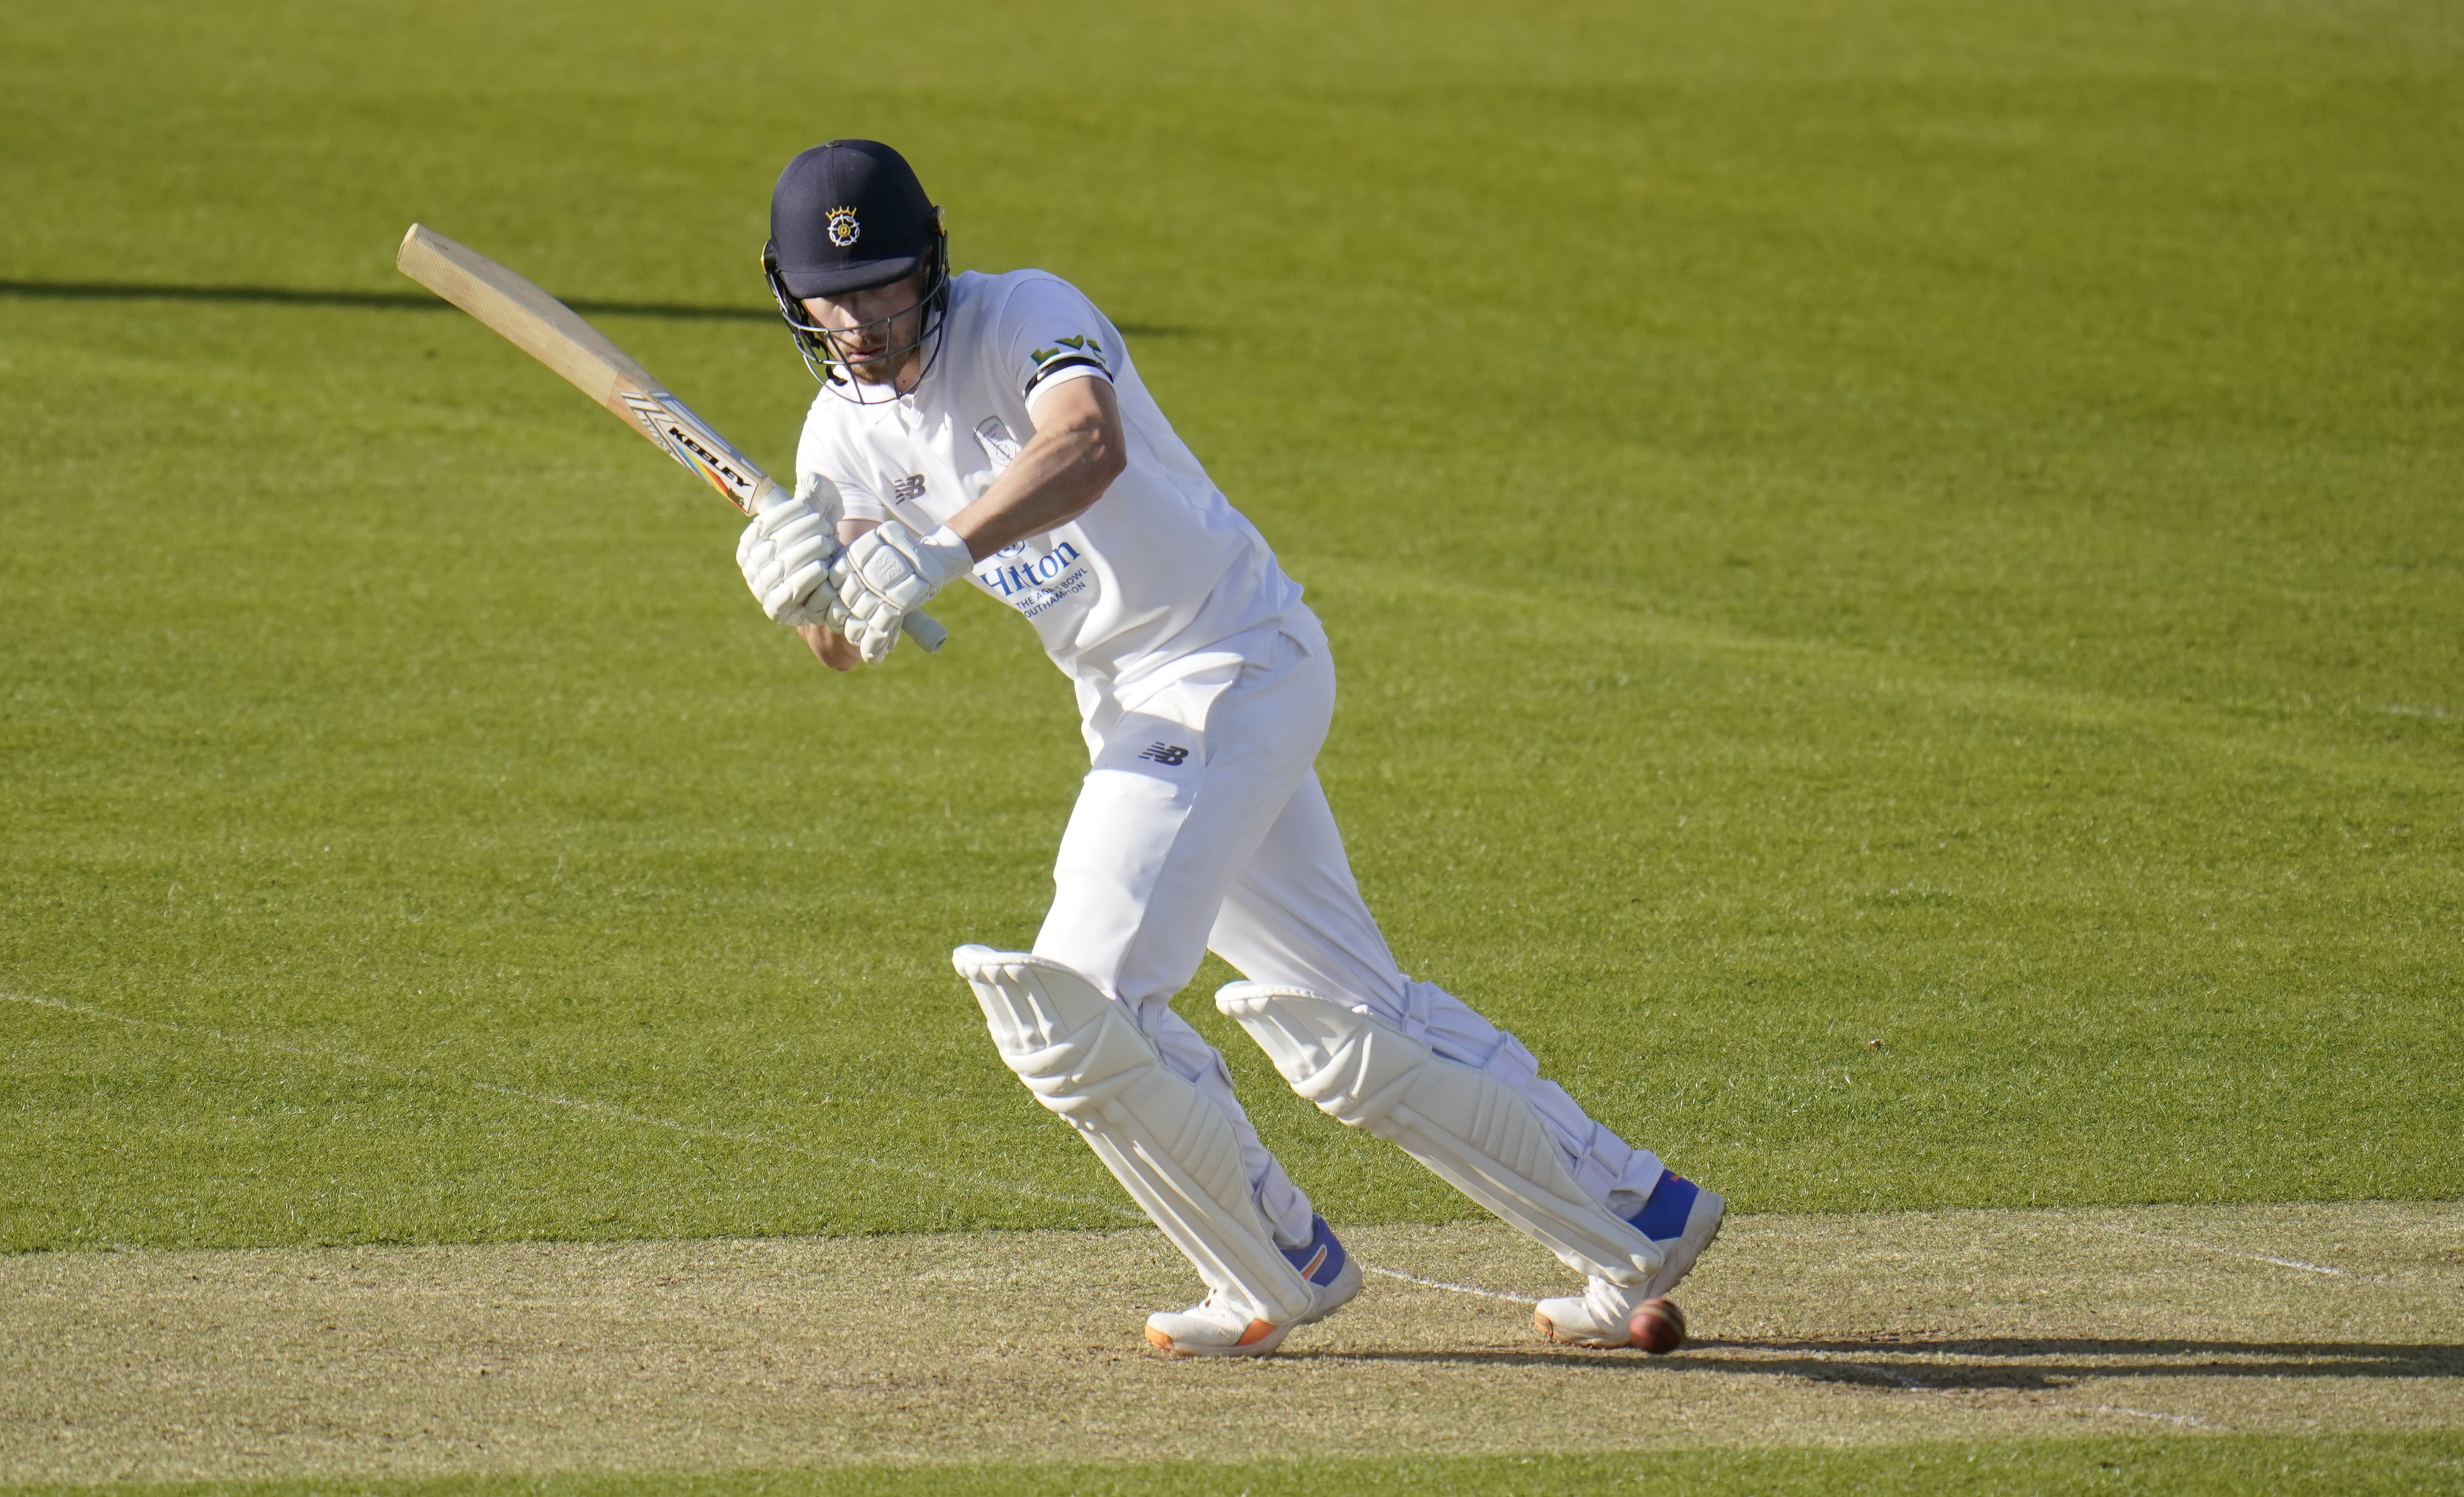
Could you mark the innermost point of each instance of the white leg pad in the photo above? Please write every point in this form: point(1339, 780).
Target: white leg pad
point(1479, 1135)
point(1171, 1147)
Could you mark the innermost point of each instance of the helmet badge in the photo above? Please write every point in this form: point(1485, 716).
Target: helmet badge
point(843, 230)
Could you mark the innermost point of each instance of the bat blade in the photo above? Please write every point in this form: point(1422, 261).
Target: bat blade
point(559, 337)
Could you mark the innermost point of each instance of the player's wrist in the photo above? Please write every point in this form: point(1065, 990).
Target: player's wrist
point(943, 554)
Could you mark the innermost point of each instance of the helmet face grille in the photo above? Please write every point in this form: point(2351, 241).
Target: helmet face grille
point(813, 341)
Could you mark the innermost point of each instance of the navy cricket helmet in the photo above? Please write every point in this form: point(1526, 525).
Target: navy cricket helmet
point(847, 216)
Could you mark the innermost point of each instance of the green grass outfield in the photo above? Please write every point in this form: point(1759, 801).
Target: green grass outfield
point(2277, 1466)
point(1938, 522)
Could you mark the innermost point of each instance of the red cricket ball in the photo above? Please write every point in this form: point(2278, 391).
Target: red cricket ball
point(1657, 1327)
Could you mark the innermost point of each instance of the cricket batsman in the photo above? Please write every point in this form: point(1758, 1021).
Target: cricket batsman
point(991, 429)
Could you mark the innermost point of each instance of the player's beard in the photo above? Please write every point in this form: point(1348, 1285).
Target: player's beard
point(879, 353)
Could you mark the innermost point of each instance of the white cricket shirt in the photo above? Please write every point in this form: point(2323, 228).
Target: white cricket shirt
point(1161, 569)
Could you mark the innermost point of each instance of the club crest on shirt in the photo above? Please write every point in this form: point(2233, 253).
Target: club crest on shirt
point(997, 442)
point(843, 230)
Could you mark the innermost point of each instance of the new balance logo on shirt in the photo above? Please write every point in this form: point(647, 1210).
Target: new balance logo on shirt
point(1160, 566)
point(1167, 754)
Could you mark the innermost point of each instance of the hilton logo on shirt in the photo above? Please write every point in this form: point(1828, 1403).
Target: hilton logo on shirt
point(1033, 583)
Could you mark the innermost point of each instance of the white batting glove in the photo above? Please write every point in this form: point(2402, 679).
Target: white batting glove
point(787, 555)
point(888, 573)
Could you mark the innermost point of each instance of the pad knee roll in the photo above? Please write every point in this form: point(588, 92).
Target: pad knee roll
point(1171, 1147)
point(1479, 1135)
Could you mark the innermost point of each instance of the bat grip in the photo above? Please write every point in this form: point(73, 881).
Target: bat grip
point(925, 632)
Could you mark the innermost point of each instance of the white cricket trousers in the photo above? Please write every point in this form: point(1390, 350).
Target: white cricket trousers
point(1200, 825)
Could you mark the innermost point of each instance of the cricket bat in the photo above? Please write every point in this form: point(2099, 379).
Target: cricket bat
point(556, 335)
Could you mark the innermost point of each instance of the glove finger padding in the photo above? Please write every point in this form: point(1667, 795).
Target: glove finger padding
point(758, 561)
point(812, 551)
point(794, 524)
point(827, 607)
point(795, 590)
point(872, 628)
point(785, 553)
point(822, 608)
point(888, 573)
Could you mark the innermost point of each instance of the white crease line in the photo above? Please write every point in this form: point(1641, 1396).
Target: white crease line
point(1441, 1283)
point(579, 1103)
point(1901, 1378)
point(2228, 1252)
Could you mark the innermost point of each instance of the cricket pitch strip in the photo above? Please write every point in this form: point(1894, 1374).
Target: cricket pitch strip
point(1025, 1347)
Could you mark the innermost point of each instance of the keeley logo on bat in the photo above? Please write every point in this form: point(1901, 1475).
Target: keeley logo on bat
point(691, 441)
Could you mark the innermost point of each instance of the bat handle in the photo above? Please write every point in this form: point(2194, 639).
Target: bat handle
point(925, 632)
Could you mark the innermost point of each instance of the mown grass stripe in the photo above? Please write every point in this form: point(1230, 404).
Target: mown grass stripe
point(580, 1105)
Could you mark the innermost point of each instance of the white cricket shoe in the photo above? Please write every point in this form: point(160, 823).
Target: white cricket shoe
point(1214, 1328)
point(1682, 1217)
point(1596, 1317)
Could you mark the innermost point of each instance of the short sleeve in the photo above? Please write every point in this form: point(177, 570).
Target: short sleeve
point(1048, 334)
point(816, 453)
point(856, 503)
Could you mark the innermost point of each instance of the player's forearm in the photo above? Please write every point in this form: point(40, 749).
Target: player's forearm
point(1053, 481)
point(1061, 471)
point(829, 647)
